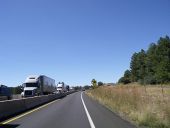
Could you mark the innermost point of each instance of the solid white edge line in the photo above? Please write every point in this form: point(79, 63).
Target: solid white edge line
point(87, 113)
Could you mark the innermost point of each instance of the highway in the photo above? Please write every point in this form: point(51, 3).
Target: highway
point(76, 110)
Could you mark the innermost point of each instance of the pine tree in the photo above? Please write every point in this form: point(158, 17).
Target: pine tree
point(151, 66)
point(163, 60)
point(134, 67)
point(126, 78)
point(141, 61)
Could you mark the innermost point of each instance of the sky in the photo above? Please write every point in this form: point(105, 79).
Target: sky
point(76, 40)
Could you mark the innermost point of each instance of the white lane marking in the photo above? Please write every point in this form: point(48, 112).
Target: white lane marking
point(87, 113)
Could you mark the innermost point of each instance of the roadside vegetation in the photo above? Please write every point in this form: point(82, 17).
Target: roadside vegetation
point(143, 105)
point(151, 66)
point(143, 93)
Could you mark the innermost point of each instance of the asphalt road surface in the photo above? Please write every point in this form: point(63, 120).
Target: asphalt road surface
point(73, 111)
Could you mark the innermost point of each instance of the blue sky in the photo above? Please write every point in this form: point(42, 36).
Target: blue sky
point(76, 40)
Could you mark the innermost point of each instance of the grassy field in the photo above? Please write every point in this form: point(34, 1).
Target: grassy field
point(147, 106)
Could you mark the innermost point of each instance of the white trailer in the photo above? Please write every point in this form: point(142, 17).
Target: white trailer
point(38, 85)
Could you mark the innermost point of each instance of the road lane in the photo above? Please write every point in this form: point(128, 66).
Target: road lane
point(65, 113)
point(69, 112)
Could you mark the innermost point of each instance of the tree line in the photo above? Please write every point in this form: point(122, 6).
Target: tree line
point(151, 66)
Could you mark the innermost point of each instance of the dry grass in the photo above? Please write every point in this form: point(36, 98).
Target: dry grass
point(143, 105)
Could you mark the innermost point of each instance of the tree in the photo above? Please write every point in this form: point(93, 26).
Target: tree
point(77, 88)
point(151, 63)
point(141, 66)
point(100, 83)
point(94, 83)
point(126, 78)
point(163, 60)
point(134, 67)
point(86, 87)
point(16, 90)
point(121, 80)
point(151, 66)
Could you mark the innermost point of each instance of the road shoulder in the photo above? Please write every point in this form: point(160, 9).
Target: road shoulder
point(103, 117)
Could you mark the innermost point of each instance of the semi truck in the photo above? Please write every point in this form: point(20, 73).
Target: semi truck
point(38, 85)
point(61, 87)
point(5, 93)
point(67, 88)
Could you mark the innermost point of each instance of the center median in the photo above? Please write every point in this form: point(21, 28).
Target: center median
point(10, 108)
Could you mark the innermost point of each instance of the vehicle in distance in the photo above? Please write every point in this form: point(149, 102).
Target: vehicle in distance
point(61, 87)
point(38, 85)
point(5, 93)
point(83, 89)
point(67, 88)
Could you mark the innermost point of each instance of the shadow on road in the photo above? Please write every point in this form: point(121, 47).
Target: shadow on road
point(9, 125)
